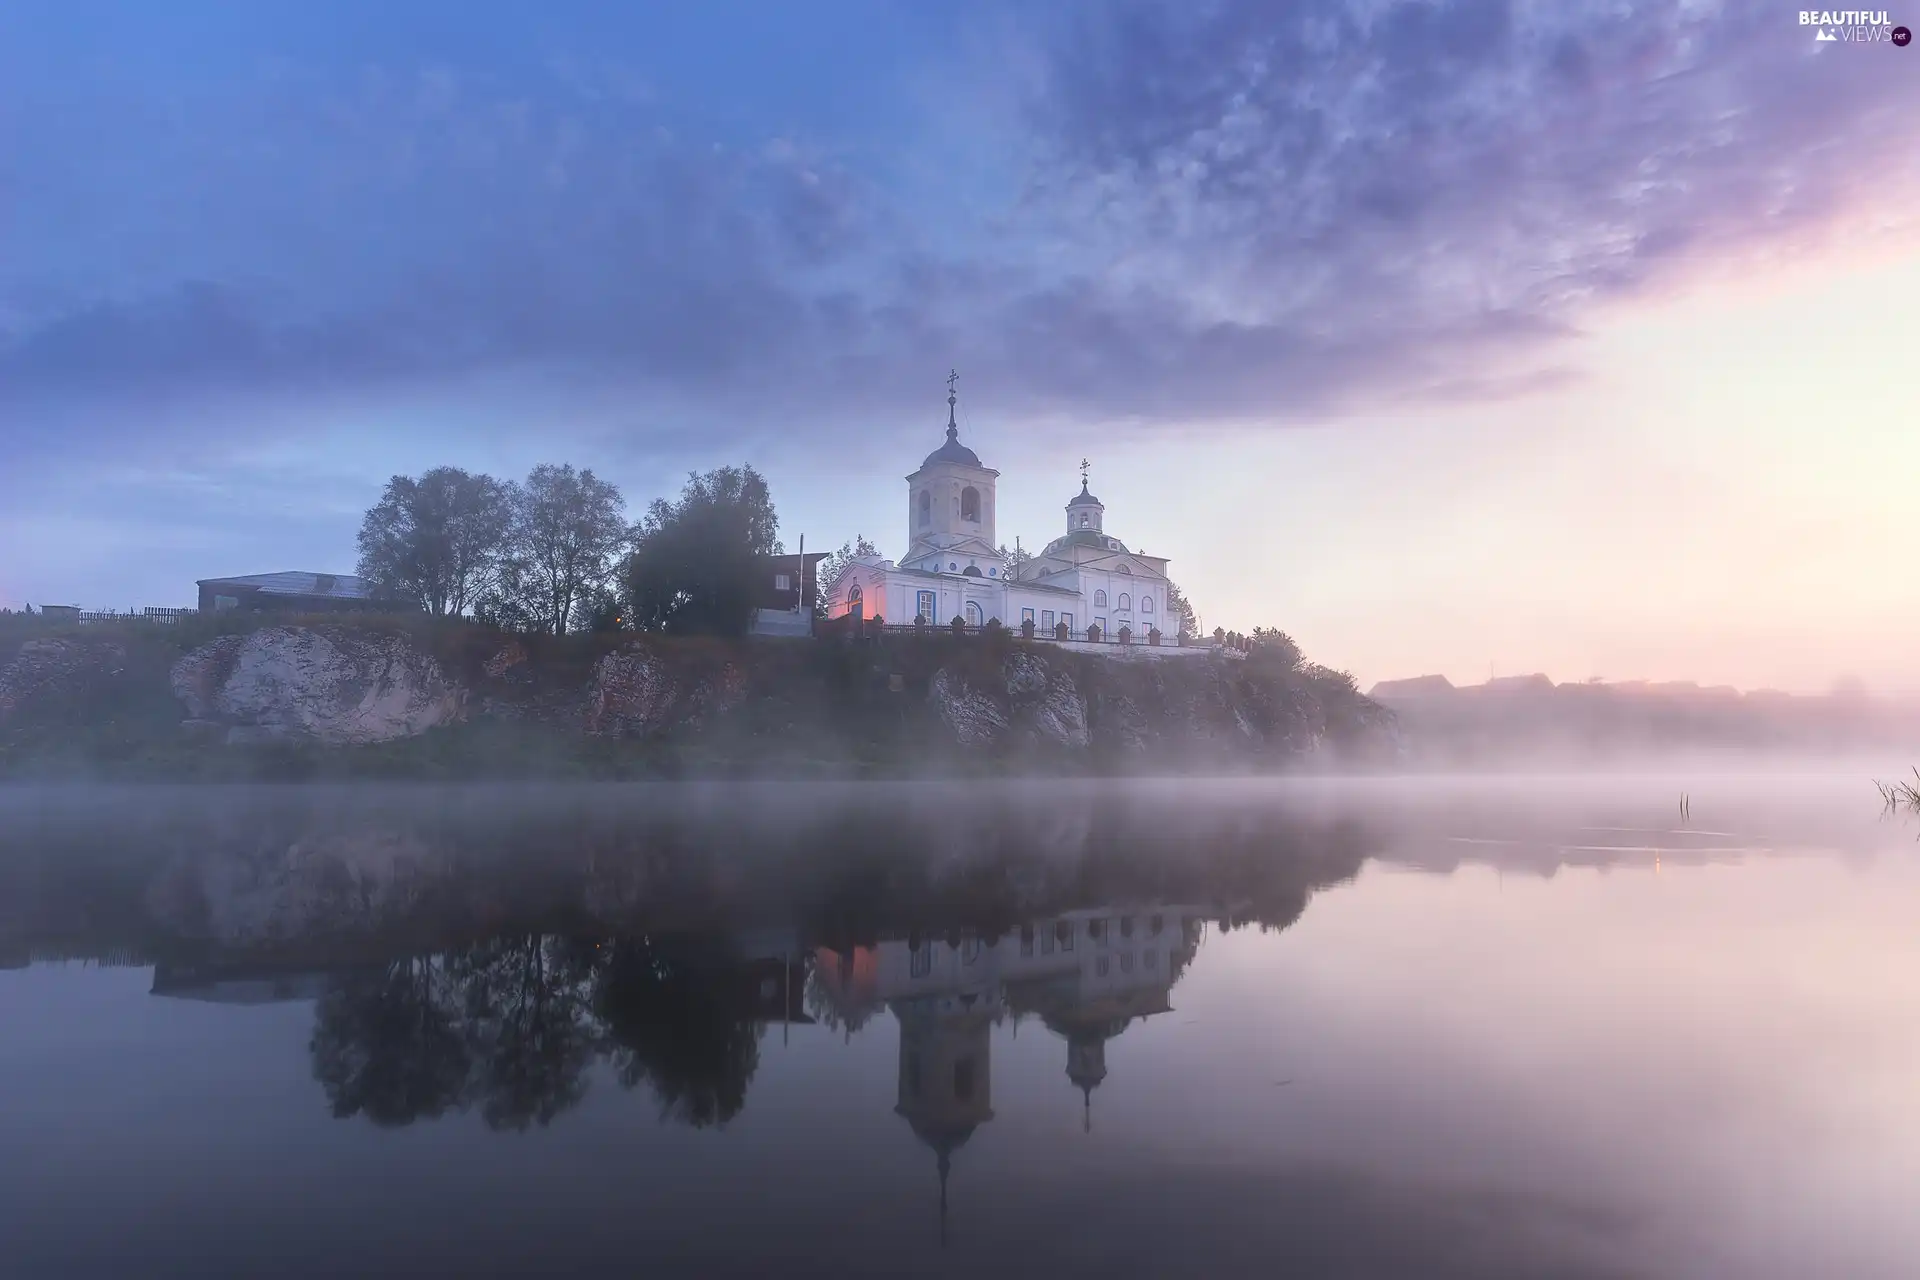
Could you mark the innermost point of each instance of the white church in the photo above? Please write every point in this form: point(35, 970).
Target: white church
point(1086, 580)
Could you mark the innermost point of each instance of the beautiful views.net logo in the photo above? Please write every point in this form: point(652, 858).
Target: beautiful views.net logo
point(1854, 26)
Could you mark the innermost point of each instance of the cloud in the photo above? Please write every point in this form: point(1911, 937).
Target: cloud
point(1237, 211)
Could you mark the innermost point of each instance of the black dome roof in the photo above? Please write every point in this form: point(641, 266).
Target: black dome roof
point(953, 451)
point(1085, 499)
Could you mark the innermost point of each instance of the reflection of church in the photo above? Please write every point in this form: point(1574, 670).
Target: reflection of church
point(1086, 975)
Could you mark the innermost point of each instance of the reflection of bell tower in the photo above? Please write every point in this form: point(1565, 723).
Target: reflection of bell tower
point(945, 1075)
point(1086, 1067)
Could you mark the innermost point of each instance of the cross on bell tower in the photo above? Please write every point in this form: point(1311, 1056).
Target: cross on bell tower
point(953, 397)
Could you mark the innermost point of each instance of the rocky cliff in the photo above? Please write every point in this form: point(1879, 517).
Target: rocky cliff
point(453, 700)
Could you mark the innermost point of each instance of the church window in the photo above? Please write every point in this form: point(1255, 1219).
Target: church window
point(972, 571)
point(1146, 603)
point(1026, 615)
point(974, 617)
point(1068, 619)
point(1125, 568)
point(922, 962)
point(1101, 625)
point(853, 595)
point(926, 506)
point(1083, 519)
point(952, 565)
point(1064, 932)
point(970, 504)
point(963, 1080)
point(1126, 601)
point(783, 582)
point(1097, 930)
point(924, 605)
point(1099, 599)
point(993, 573)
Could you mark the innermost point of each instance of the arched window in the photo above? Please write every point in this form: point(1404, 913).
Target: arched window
point(853, 594)
point(1126, 601)
point(970, 503)
point(1099, 599)
point(1084, 520)
point(1146, 604)
point(971, 571)
point(926, 506)
point(974, 617)
point(1127, 569)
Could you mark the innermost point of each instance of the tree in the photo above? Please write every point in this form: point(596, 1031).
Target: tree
point(1016, 562)
point(436, 542)
point(1182, 611)
point(1274, 647)
point(695, 564)
point(836, 564)
point(567, 528)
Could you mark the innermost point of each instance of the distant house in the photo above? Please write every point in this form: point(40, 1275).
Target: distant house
point(786, 591)
point(291, 592)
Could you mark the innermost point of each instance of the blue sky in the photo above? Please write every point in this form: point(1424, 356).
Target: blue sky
point(1333, 294)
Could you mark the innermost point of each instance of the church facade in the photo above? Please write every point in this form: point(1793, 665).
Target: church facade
point(1086, 579)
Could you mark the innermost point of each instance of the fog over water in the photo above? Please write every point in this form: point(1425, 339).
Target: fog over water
point(1651, 1023)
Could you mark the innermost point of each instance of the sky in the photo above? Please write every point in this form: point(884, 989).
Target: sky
point(1460, 337)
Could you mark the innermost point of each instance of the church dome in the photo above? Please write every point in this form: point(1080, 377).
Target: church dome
point(1084, 499)
point(953, 451)
point(1092, 539)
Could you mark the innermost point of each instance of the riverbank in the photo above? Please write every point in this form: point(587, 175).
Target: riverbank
point(241, 699)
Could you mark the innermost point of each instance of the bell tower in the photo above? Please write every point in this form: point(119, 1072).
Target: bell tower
point(950, 499)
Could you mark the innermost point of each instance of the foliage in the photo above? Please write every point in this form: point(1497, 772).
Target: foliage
point(567, 528)
point(1275, 648)
point(1182, 609)
point(694, 566)
point(1016, 561)
point(436, 542)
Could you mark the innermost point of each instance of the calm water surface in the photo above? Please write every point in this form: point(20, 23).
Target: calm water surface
point(1514, 1028)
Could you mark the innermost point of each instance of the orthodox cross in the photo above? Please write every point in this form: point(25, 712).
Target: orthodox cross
point(1084, 464)
point(953, 377)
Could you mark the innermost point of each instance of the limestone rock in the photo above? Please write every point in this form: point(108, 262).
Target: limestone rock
point(56, 667)
point(512, 656)
point(197, 677)
point(1062, 715)
point(336, 685)
point(630, 693)
point(970, 713)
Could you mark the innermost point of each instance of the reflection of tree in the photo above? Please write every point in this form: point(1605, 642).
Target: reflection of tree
point(388, 1045)
point(669, 1020)
point(529, 1027)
